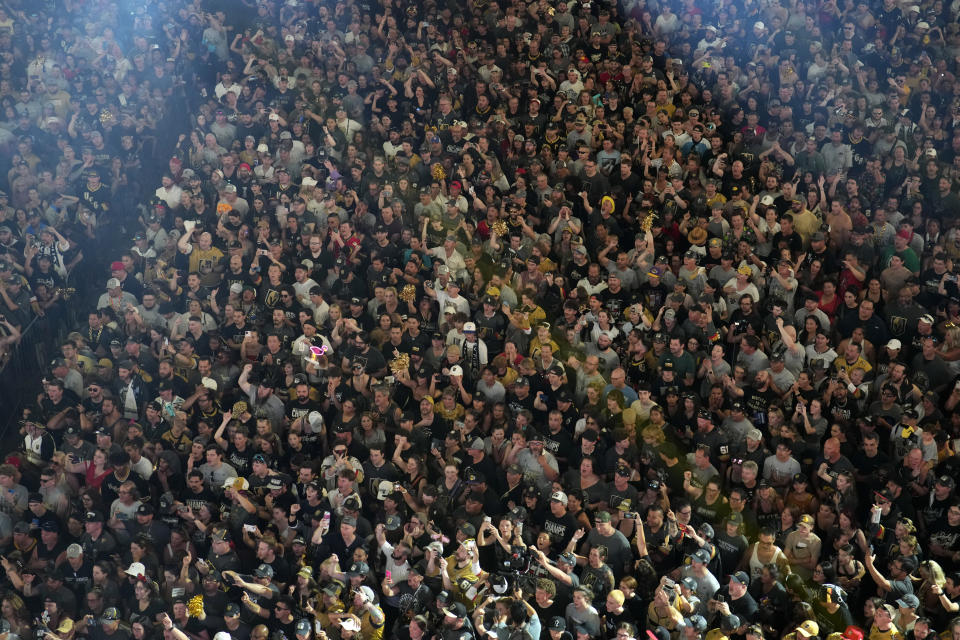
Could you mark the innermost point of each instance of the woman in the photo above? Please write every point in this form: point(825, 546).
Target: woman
point(141, 550)
point(933, 579)
point(103, 579)
point(768, 505)
point(788, 523)
point(371, 432)
point(710, 505)
point(15, 614)
point(613, 413)
point(587, 481)
point(498, 540)
point(810, 276)
point(450, 487)
point(799, 496)
point(448, 408)
point(874, 293)
point(269, 445)
point(576, 501)
point(895, 168)
point(349, 417)
point(94, 470)
point(828, 299)
point(141, 627)
point(146, 602)
point(949, 351)
point(848, 571)
point(415, 478)
point(847, 531)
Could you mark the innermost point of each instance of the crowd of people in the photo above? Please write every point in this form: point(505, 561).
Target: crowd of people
point(439, 321)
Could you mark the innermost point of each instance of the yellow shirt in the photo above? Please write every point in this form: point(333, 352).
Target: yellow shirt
point(890, 634)
point(203, 261)
point(369, 630)
point(861, 363)
point(806, 223)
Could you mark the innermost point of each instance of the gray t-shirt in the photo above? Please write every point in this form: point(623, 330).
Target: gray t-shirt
point(780, 473)
point(619, 555)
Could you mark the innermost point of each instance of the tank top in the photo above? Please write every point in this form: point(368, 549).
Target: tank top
point(756, 565)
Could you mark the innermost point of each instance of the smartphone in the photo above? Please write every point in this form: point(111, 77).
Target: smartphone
point(249, 527)
point(875, 516)
point(487, 519)
point(388, 574)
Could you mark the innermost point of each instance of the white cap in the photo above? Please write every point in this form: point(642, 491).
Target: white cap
point(710, 27)
point(469, 326)
point(384, 489)
point(315, 419)
point(759, 25)
point(274, 117)
point(222, 635)
point(449, 309)
point(113, 283)
point(240, 484)
point(236, 287)
point(136, 569)
point(308, 182)
point(894, 344)
point(367, 593)
point(923, 24)
point(766, 200)
point(456, 370)
point(209, 383)
point(262, 148)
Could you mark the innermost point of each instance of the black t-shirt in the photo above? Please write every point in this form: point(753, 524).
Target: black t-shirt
point(560, 529)
point(242, 461)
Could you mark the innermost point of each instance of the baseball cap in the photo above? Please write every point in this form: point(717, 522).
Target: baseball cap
point(908, 600)
point(741, 577)
point(700, 555)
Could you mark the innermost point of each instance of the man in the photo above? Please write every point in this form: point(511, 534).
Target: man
point(802, 548)
point(558, 522)
point(883, 627)
point(736, 600)
point(899, 583)
point(619, 554)
point(707, 584)
point(780, 468)
point(97, 543)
